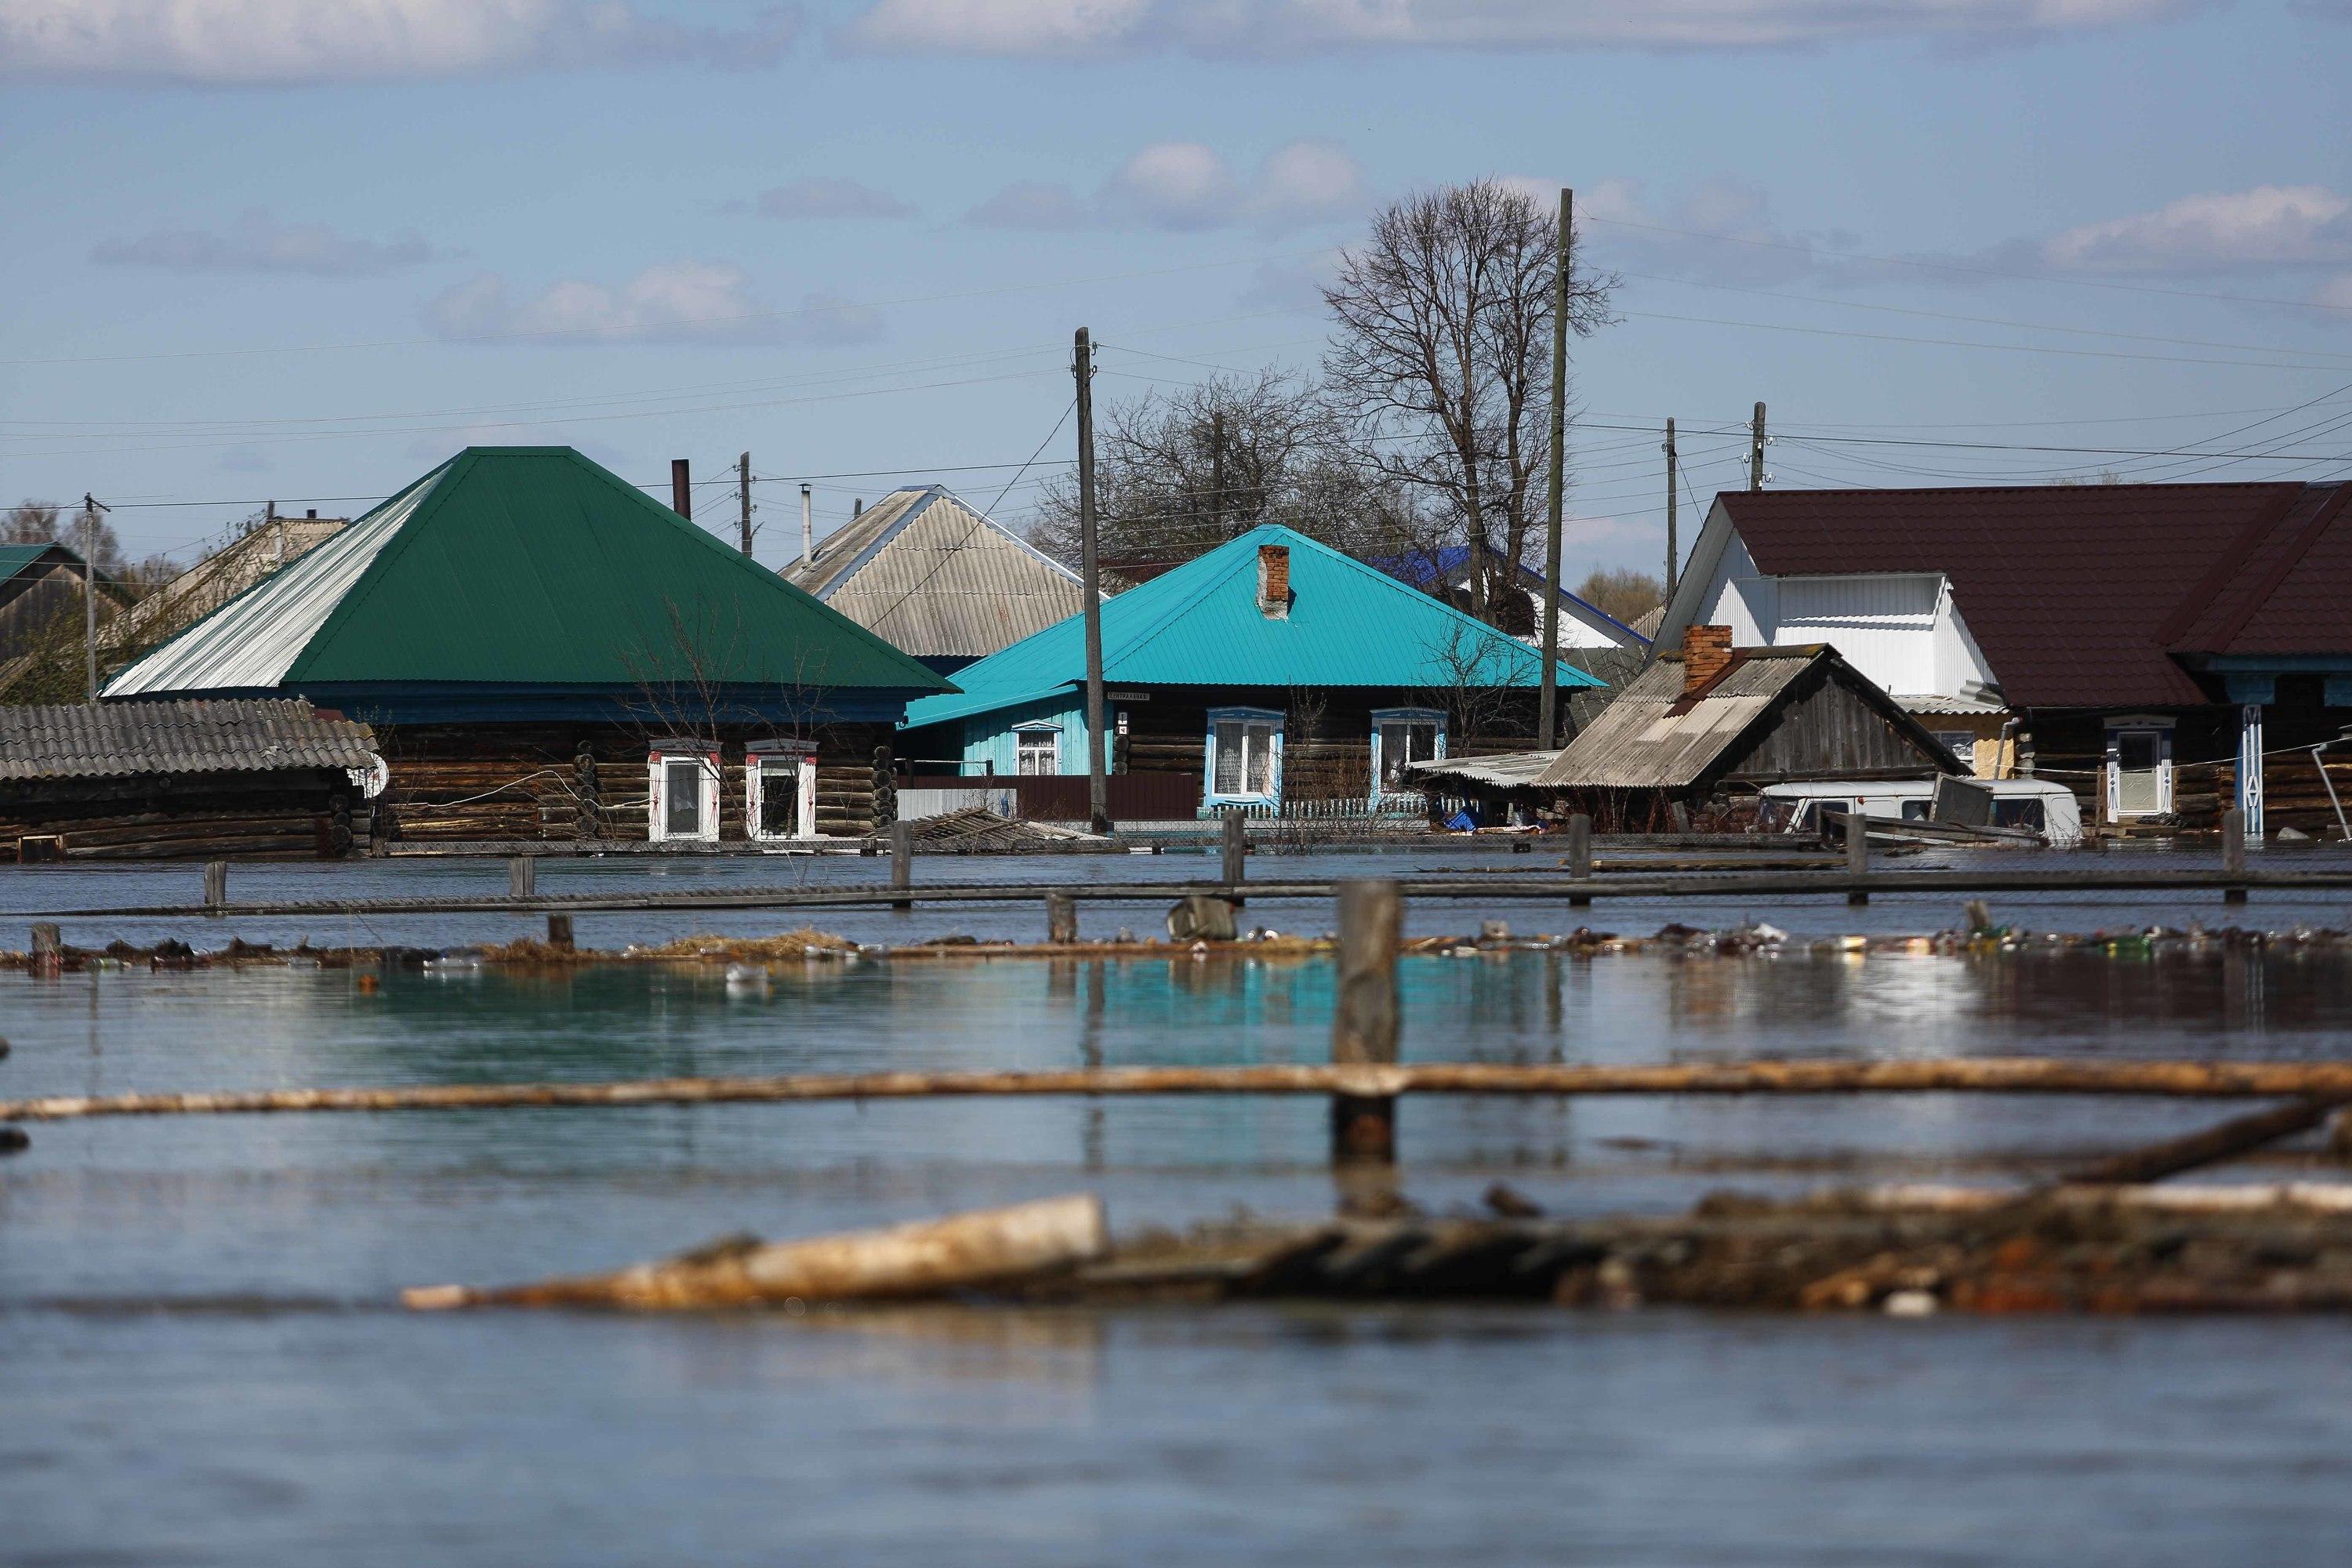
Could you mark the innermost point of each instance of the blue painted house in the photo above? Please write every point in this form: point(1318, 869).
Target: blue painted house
point(1272, 673)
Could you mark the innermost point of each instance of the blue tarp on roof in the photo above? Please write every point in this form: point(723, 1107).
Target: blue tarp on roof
point(1200, 625)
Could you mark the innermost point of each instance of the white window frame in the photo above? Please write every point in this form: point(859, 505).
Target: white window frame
point(760, 759)
point(1035, 731)
point(1266, 719)
point(657, 766)
point(1386, 716)
point(2160, 729)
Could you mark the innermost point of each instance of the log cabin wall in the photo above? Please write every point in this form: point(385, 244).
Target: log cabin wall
point(1327, 735)
point(2070, 748)
point(574, 783)
point(273, 816)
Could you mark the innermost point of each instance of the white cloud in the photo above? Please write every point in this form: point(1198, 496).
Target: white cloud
point(670, 302)
point(1065, 27)
point(1184, 186)
point(289, 41)
point(258, 243)
point(2267, 226)
point(825, 196)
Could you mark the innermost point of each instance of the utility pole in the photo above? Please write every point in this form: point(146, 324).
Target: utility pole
point(1082, 364)
point(1547, 703)
point(89, 510)
point(1756, 451)
point(1673, 557)
point(1217, 470)
point(743, 489)
point(808, 529)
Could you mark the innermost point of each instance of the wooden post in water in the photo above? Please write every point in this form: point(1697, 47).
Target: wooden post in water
point(48, 959)
point(522, 876)
point(2234, 853)
point(902, 863)
point(558, 932)
point(1061, 917)
point(1579, 855)
point(1236, 845)
point(1364, 1018)
point(1857, 854)
point(215, 885)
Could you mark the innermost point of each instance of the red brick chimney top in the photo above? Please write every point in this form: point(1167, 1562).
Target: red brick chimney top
point(1273, 581)
point(1707, 650)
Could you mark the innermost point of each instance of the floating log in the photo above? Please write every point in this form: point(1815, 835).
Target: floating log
point(2010, 1075)
point(961, 1252)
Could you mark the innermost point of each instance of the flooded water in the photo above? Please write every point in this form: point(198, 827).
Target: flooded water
point(200, 1364)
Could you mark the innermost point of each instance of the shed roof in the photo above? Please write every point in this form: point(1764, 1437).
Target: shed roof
point(1656, 736)
point(127, 739)
point(1349, 625)
point(936, 578)
point(522, 566)
point(2087, 595)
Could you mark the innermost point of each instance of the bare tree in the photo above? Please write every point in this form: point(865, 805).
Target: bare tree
point(1443, 352)
point(1622, 592)
point(1178, 474)
point(1470, 675)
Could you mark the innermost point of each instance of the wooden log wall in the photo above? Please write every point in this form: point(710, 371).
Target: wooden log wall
point(568, 783)
point(302, 819)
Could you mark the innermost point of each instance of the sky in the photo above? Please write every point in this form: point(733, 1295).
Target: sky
point(304, 250)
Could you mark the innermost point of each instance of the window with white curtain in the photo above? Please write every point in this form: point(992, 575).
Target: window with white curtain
point(1245, 755)
point(1401, 736)
point(683, 787)
point(1037, 750)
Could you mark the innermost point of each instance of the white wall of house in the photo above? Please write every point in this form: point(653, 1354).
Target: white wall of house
point(1904, 630)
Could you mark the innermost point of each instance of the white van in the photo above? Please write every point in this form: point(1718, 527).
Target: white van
point(2041, 806)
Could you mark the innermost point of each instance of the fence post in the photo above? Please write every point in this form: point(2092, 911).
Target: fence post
point(1364, 1017)
point(48, 958)
point(522, 876)
point(1857, 855)
point(1236, 845)
point(215, 885)
point(1579, 855)
point(558, 932)
point(902, 863)
point(1061, 917)
point(2234, 854)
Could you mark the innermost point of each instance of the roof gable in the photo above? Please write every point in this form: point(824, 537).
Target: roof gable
point(1349, 625)
point(522, 566)
point(938, 578)
point(2081, 596)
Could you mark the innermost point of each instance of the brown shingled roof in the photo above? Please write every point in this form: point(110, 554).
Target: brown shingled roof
point(2082, 595)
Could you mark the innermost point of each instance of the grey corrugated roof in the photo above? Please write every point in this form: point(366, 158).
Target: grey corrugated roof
point(128, 739)
point(1637, 742)
point(936, 579)
point(1504, 770)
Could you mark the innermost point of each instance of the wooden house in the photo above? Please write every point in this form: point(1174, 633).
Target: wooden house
point(2166, 650)
point(1274, 674)
point(1694, 737)
point(547, 654)
point(251, 779)
point(938, 579)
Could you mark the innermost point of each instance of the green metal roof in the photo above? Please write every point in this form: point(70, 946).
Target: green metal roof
point(14, 558)
point(1350, 625)
point(523, 566)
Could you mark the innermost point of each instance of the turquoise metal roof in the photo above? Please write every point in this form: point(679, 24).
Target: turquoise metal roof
point(1350, 625)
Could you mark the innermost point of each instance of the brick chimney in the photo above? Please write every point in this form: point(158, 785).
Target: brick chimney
point(1705, 651)
point(1274, 581)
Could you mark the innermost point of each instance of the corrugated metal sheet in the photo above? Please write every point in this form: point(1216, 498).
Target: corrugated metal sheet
point(935, 578)
point(132, 739)
point(14, 558)
point(216, 580)
point(523, 566)
point(1348, 626)
point(1637, 742)
point(1506, 770)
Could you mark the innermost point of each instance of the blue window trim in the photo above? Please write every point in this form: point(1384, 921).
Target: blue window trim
point(1210, 795)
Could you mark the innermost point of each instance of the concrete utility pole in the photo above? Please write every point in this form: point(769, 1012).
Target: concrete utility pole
point(808, 529)
point(743, 491)
point(1082, 364)
point(89, 510)
point(1548, 701)
point(1756, 451)
point(1673, 557)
